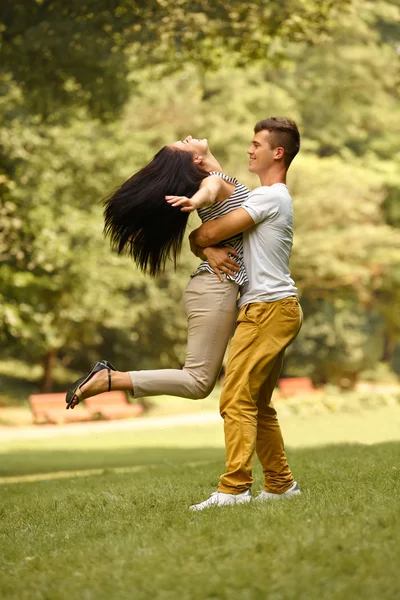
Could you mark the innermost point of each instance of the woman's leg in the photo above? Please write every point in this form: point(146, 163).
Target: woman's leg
point(211, 310)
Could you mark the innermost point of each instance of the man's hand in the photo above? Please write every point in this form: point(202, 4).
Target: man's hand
point(220, 261)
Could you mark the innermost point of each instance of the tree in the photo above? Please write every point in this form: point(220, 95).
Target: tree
point(89, 52)
point(347, 89)
point(339, 339)
point(62, 290)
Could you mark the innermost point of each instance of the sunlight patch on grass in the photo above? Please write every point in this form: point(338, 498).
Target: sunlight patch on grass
point(83, 473)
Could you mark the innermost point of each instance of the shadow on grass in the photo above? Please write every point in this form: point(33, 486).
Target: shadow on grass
point(330, 461)
point(23, 462)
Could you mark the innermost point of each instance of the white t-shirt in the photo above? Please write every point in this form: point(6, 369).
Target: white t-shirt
point(267, 245)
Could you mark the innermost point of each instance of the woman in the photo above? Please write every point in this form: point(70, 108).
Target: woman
point(142, 219)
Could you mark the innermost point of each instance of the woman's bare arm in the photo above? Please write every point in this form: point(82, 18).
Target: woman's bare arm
point(212, 189)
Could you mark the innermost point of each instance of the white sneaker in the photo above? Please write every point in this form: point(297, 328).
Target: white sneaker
point(292, 491)
point(222, 499)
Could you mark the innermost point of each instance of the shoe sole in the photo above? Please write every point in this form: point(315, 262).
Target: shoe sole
point(277, 496)
point(245, 500)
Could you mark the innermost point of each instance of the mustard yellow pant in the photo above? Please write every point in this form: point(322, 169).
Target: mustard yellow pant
point(264, 331)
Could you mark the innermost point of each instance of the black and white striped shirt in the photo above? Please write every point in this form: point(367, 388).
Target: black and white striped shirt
point(219, 209)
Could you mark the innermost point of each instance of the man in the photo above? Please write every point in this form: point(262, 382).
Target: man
point(269, 319)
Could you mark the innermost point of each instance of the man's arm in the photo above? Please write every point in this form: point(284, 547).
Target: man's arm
point(196, 250)
point(218, 258)
point(213, 232)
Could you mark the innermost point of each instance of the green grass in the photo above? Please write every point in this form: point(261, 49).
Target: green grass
point(109, 450)
point(123, 534)
point(134, 446)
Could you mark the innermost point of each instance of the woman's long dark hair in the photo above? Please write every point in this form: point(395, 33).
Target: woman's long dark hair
point(139, 220)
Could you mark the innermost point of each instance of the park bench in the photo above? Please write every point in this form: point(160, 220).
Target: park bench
point(112, 405)
point(51, 408)
point(293, 386)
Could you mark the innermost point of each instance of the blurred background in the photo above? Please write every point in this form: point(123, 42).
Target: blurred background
point(90, 90)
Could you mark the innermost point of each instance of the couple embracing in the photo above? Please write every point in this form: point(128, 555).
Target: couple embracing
point(245, 243)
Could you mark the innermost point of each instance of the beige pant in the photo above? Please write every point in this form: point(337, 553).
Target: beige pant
point(264, 331)
point(211, 310)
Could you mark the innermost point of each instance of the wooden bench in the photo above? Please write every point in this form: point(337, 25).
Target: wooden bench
point(51, 408)
point(112, 405)
point(293, 386)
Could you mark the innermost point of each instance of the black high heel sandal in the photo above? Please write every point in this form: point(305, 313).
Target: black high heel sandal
point(76, 387)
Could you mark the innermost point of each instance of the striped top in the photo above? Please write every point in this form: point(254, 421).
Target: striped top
point(219, 209)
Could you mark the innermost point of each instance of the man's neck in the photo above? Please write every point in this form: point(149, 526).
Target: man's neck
point(274, 175)
point(210, 163)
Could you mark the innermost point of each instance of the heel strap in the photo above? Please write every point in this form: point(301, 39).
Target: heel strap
point(78, 394)
point(109, 380)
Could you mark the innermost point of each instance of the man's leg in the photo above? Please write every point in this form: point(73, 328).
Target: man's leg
point(270, 448)
point(264, 331)
point(240, 417)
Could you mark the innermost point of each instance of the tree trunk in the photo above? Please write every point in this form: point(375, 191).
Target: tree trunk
point(388, 350)
point(48, 364)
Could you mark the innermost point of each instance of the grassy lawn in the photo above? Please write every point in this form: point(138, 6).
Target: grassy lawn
point(122, 530)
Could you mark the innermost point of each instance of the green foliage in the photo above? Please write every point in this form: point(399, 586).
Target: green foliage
point(61, 287)
point(347, 90)
point(52, 249)
point(338, 340)
point(199, 68)
point(64, 54)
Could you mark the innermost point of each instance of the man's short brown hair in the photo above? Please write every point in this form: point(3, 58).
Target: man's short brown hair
point(282, 133)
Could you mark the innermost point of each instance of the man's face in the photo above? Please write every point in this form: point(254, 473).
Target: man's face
point(190, 144)
point(260, 153)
